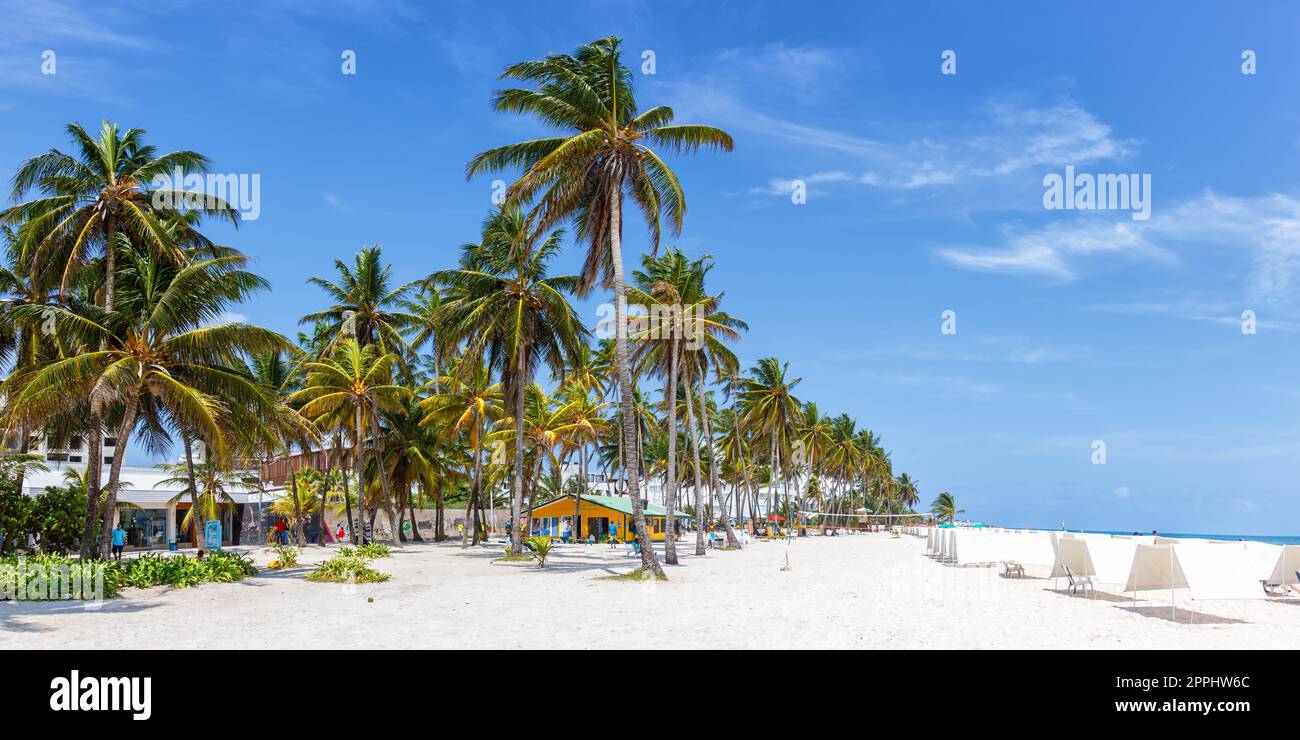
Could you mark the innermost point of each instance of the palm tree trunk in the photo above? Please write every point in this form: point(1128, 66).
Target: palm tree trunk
point(196, 516)
point(649, 561)
point(692, 428)
point(358, 535)
point(115, 470)
point(94, 469)
point(297, 503)
point(379, 471)
point(517, 499)
point(714, 487)
point(347, 495)
point(439, 520)
point(670, 477)
point(110, 263)
point(471, 523)
point(415, 525)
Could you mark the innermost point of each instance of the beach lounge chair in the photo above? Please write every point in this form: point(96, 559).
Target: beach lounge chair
point(1079, 582)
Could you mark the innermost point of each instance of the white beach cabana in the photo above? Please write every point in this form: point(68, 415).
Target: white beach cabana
point(1287, 565)
point(1207, 571)
point(1101, 558)
point(996, 546)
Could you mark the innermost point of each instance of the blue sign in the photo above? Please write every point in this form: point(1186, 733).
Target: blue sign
point(212, 535)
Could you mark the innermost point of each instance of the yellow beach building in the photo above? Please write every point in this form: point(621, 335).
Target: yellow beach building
point(597, 515)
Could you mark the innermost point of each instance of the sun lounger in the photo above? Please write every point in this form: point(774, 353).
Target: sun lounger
point(1079, 582)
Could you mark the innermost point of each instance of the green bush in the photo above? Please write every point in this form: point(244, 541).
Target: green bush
point(347, 568)
point(57, 518)
point(286, 556)
point(52, 576)
point(541, 548)
point(375, 550)
point(153, 569)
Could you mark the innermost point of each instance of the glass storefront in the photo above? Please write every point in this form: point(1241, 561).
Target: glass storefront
point(145, 528)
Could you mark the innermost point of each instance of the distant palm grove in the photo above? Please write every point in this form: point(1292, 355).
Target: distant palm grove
point(480, 377)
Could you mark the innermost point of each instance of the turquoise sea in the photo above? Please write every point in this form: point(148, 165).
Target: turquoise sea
point(1270, 539)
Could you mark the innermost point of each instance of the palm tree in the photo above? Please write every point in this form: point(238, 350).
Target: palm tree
point(90, 200)
point(356, 380)
point(772, 412)
point(468, 402)
point(584, 175)
point(366, 307)
point(905, 489)
point(945, 507)
point(155, 357)
point(214, 484)
point(505, 307)
point(98, 201)
point(282, 428)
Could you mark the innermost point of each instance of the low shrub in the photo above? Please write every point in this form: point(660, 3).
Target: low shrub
point(57, 577)
point(347, 568)
point(286, 556)
point(541, 547)
point(375, 550)
point(180, 571)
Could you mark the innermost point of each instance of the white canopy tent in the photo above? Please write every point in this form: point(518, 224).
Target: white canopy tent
point(1103, 559)
point(1287, 565)
point(994, 546)
point(1206, 571)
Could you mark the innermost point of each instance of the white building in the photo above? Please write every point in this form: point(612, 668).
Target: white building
point(152, 520)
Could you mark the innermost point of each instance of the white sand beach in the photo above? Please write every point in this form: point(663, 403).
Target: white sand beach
point(862, 591)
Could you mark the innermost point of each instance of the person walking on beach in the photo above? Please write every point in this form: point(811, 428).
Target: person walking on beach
point(119, 541)
point(281, 531)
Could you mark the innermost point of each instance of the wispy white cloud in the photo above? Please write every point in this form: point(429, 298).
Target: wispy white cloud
point(943, 384)
point(1266, 227)
point(1003, 141)
point(335, 202)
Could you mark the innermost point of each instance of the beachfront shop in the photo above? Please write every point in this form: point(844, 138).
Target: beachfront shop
point(597, 516)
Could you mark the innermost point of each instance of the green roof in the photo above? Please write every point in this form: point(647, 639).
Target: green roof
point(621, 504)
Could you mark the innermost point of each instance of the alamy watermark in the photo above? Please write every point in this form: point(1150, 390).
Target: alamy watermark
point(28, 581)
point(76, 693)
point(180, 190)
point(1085, 191)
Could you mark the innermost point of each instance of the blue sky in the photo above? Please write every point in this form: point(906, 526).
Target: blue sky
point(924, 194)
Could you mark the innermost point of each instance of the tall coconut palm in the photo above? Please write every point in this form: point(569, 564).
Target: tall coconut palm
point(906, 491)
point(281, 428)
point(603, 156)
point(358, 380)
point(945, 507)
point(156, 356)
point(468, 403)
point(772, 412)
point(366, 306)
point(90, 199)
point(504, 307)
point(94, 201)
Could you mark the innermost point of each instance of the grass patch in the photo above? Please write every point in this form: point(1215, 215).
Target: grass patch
point(57, 577)
point(182, 571)
point(286, 556)
point(375, 550)
point(640, 574)
point(347, 568)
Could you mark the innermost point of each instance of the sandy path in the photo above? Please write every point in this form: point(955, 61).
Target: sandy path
point(857, 591)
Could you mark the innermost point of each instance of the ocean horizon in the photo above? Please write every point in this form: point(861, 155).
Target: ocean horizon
point(1272, 539)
